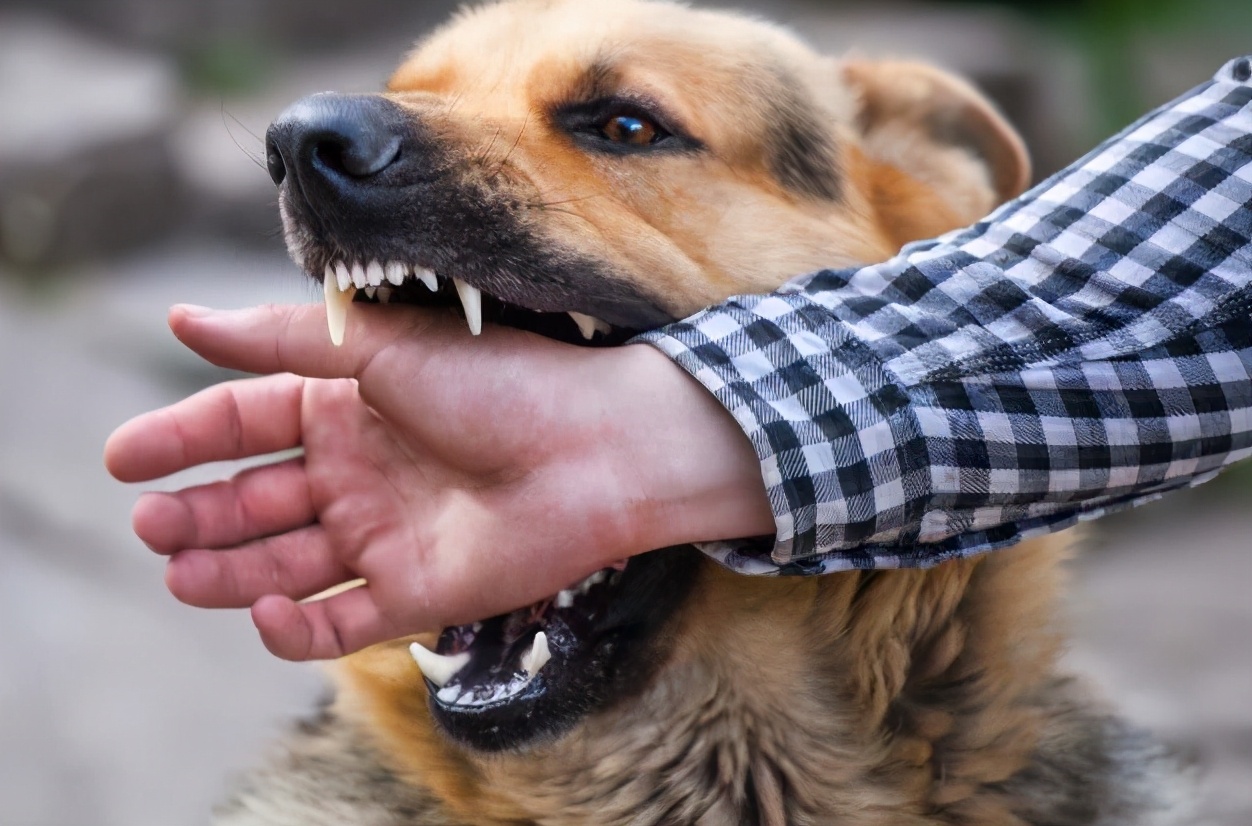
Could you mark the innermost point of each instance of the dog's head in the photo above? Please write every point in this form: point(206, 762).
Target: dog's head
point(589, 169)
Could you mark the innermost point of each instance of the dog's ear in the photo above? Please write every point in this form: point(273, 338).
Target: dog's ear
point(921, 126)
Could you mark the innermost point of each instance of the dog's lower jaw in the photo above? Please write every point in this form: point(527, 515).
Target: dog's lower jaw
point(920, 698)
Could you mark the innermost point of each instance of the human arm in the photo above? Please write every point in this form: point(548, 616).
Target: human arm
point(1085, 347)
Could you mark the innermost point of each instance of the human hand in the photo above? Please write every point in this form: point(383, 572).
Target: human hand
point(460, 476)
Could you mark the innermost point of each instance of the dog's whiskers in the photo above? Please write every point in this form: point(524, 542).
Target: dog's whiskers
point(486, 153)
point(548, 204)
point(259, 160)
point(516, 142)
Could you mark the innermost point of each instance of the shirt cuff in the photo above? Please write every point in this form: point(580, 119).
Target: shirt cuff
point(841, 453)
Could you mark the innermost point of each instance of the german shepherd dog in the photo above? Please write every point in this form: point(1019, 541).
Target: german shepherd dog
point(586, 169)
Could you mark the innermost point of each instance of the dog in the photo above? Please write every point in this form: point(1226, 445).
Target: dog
point(587, 169)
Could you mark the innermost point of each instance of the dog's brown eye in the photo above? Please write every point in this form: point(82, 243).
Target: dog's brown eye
point(622, 126)
point(632, 130)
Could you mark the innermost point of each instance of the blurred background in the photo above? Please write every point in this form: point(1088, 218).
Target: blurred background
point(130, 179)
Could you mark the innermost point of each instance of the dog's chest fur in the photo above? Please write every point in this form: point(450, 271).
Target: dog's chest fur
point(1090, 770)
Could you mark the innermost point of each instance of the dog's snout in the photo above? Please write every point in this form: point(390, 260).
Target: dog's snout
point(341, 140)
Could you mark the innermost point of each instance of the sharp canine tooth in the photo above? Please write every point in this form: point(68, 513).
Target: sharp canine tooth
point(436, 667)
point(586, 324)
point(344, 276)
point(537, 657)
point(428, 278)
point(338, 303)
point(472, 301)
point(589, 326)
point(395, 273)
point(374, 274)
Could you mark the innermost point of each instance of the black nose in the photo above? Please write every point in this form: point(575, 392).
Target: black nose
point(333, 139)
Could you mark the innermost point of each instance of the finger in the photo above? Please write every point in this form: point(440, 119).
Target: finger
point(323, 630)
point(256, 503)
point(298, 564)
point(233, 420)
point(293, 338)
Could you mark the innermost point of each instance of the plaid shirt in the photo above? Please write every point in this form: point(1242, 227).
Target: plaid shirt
point(1087, 347)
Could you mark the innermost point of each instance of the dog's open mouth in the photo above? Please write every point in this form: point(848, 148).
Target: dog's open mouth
point(394, 282)
point(381, 208)
point(497, 660)
point(510, 680)
point(506, 681)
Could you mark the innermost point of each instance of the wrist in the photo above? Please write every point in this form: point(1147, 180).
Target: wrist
point(695, 474)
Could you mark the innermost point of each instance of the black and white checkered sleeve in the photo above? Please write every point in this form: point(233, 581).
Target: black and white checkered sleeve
point(1086, 347)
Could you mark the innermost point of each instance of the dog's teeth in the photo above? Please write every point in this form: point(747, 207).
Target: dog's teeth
point(589, 326)
point(338, 304)
point(586, 324)
point(384, 295)
point(374, 273)
point(449, 694)
point(537, 657)
point(436, 667)
point(472, 301)
point(370, 292)
point(358, 277)
point(428, 278)
point(395, 273)
point(592, 581)
point(344, 276)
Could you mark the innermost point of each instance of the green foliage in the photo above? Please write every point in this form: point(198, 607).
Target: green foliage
point(226, 67)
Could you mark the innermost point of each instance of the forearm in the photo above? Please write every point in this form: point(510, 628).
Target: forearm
point(696, 475)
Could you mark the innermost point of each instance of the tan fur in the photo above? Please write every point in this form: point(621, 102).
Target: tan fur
point(696, 231)
point(891, 698)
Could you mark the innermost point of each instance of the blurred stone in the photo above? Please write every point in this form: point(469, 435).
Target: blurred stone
point(286, 24)
point(219, 145)
point(85, 167)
